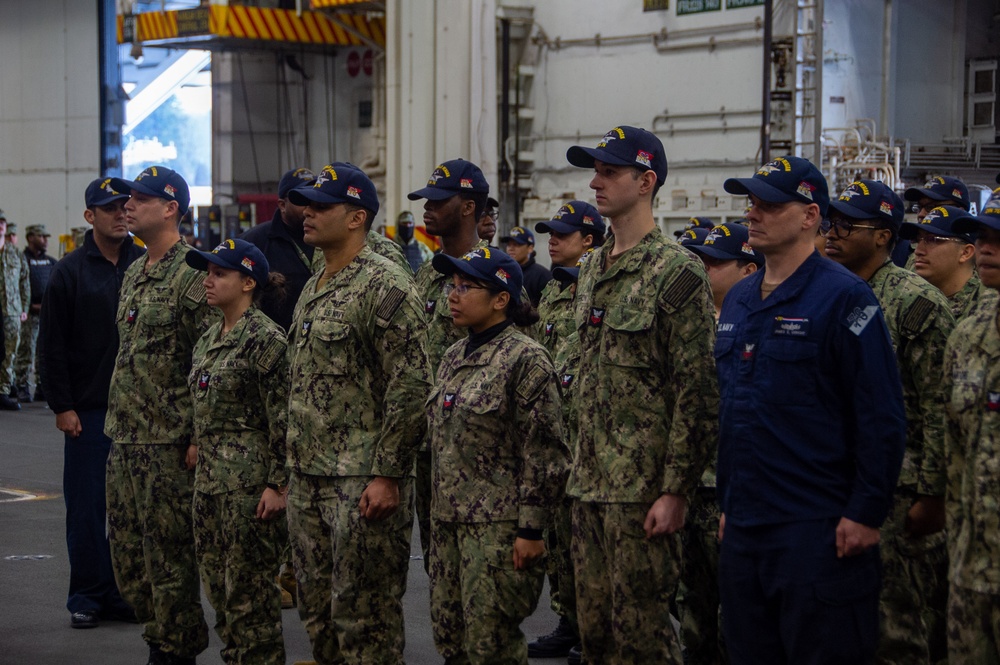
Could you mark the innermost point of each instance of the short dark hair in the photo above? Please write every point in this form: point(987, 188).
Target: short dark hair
point(369, 215)
point(479, 198)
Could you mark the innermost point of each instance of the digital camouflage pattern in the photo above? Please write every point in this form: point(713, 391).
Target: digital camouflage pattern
point(969, 296)
point(698, 591)
point(239, 383)
point(495, 430)
point(624, 585)
point(973, 636)
point(351, 572)
point(161, 314)
point(647, 328)
point(972, 386)
point(972, 450)
point(919, 320)
point(149, 494)
point(556, 316)
point(441, 333)
point(358, 372)
point(478, 600)
point(376, 242)
point(238, 560)
point(16, 292)
point(359, 377)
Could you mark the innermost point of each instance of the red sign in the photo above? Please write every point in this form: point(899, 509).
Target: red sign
point(353, 64)
point(366, 62)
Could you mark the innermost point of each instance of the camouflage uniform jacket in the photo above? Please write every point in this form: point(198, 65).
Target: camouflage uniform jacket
point(441, 330)
point(15, 274)
point(556, 316)
point(567, 364)
point(919, 320)
point(161, 314)
point(972, 385)
point(646, 328)
point(970, 295)
point(376, 242)
point(359, 372)
point(494, 423)
point(239, 383)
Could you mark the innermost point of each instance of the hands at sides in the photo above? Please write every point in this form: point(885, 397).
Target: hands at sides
point(68, 423)
point(526, 552)
point(380, 499)
point(854, 538)
point(665, 516)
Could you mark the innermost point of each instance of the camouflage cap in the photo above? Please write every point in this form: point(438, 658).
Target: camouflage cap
point(37, 230)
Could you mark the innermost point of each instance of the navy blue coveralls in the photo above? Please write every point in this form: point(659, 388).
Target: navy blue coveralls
point(812, 429)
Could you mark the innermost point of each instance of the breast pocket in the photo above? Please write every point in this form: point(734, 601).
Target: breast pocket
point(788, 372)
point(229, 394)
point(628, 336)
point(331, 344)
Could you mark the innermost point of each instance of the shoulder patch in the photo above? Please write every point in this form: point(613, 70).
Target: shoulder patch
point(917, 316)
point(533, 383)
point(196, 292)
point(859, 318)
point(270, 355)
point(682, 287)
point(389, 306)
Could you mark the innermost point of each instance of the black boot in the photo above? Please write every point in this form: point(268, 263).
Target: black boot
point(23, 394)
point(8, 403)
point(556, 644)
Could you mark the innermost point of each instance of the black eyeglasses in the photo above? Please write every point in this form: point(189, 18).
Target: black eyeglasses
point(841, 228)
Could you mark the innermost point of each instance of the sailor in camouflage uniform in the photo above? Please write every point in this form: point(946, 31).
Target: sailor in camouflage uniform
point(972, 385)
point(499, 465)
point(358, 381)
point(455, 197)
point(946, 258)
point(645, 320)
point(16, 297)
point(239, 384)
point(161, 314)
point(574, 231)
point(862, 228)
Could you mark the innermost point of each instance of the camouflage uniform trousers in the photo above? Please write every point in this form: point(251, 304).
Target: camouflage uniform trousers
point(624, 586)
point(478, 600)
point(150, 528)
point(26, 356)
point(698, 592)
point(422, 502)
point(973, 627)
point(11, 338)
point(562, 583)
point(351, 572)
point(238, 559)
point(914, 591)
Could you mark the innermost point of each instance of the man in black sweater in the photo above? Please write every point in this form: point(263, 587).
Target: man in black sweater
point(78, 342)
point(520, 245)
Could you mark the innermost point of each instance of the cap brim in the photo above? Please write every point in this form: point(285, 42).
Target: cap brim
point(716, 253)
point(585, 157)
point(916, 193)
point(431, 194)
point(108, 199)
point(519, 241)
point(908, 230)
point(120, 185)
point(760, 189)
point(303, 196)
point(851, 211)
point(449, 265)
point(557, 226)
point(566, 275)
point(492, 202)
point(973, 224)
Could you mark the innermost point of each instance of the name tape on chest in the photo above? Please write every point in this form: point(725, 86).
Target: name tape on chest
point(785, 326)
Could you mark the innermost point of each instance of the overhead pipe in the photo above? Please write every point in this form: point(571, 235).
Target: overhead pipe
point(883, 117)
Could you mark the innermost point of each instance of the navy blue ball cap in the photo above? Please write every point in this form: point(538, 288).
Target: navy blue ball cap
point(624, 146)
point(574, 216)
point(989, 217)
point(232, 254)
point(784, 180)
point(520, 235)
point(451, 178)
point(940, 221)
point(941, 188)
point(569, 274)
point(100, 192)
point(486, 265)
point(729, 242)
point(870, 199)
point(693, 236)
point(293, 179)
point(157, 181)
point(339, 182)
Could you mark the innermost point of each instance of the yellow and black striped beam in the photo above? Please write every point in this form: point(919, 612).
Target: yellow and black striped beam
point(253, 24)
